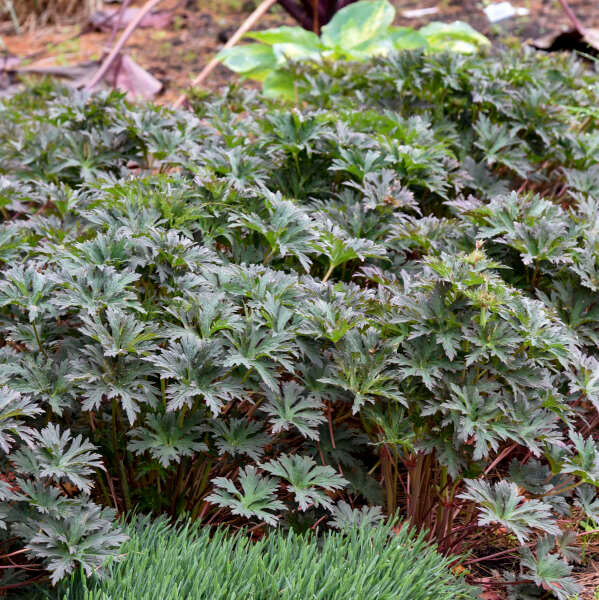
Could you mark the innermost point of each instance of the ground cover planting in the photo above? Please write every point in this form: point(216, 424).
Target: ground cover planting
point(380, 298)
point(165, 563)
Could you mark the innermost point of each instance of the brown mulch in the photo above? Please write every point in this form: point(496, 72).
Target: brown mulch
point(200, 28)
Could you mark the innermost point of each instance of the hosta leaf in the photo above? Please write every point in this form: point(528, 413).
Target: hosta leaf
point(251, 60)
point(357, 23)
point(279, 84)
point(404, 38)
point(457, 36)
point(286, 34)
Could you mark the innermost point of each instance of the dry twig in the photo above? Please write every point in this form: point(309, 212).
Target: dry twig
point(243, 29)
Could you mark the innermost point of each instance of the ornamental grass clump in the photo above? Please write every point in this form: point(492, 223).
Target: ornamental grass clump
point(281, 315)
point(181, 563)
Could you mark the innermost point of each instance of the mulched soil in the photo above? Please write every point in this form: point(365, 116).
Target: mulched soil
point(200, 28)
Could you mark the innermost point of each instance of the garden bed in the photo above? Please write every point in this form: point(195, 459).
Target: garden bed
point(268, 314)
point(199, 29)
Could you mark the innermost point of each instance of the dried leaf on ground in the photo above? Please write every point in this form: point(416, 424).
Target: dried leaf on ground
point(569, 39)
point(105, 20)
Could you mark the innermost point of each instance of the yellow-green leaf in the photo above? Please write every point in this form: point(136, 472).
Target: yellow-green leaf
point(358, 23)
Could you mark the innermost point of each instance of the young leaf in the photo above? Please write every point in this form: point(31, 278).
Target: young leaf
point(292, 407)
point(304, 477)
point(166, 439)
point(501, 503)
point(256, 498)
point(239, 437)
point(346, 517)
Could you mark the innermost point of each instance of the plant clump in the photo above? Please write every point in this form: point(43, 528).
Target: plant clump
point(289, 315)
point(184, 563)
point(358, 31)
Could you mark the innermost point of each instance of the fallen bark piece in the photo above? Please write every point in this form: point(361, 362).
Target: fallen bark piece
point(569, 39)
point(8, 62)
point(75, 73)
point(105, 20)
point(126, 75)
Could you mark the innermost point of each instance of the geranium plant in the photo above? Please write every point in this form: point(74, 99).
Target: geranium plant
point(290, 315)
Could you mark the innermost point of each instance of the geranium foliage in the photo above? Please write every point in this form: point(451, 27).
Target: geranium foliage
point(288, 313)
